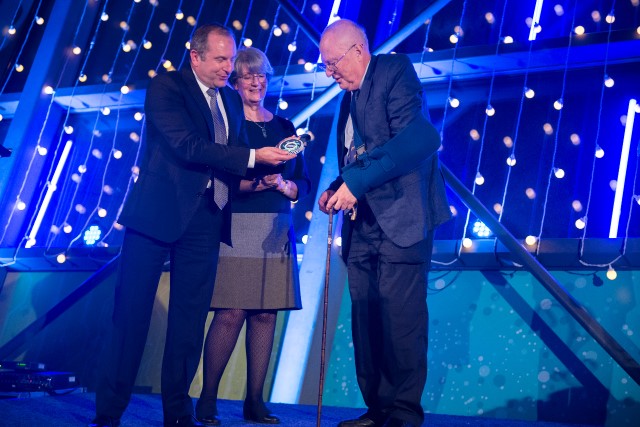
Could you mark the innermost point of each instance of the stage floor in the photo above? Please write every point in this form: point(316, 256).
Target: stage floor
point(76, 409)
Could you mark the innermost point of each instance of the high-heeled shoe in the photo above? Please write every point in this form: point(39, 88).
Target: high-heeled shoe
point(258, 414)
point(206, 411)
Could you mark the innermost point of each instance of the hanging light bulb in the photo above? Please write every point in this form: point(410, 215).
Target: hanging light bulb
point(19, 68)
point(611, 18)
point(247, 42)
point(511, 160)
point(39, 20)
point(579, 30)
point(76, 50)
point(599, 152)
point(558, 172)
point(531, 240)
point(611, 273)
point(11, 30)
point(558, 104)
point(283, 104)
point(490, 110)
point(454, 102)
point(82, 78)
point(292, 47)
point(61, 258)
point(179, 15)
point(467, 242)
point(529, 93)
point(507, 40)
point(608, 81)
point(581, 223)
point(479, 179)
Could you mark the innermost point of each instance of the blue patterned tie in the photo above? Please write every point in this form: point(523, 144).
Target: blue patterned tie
point(351, 154)
point(220, 189)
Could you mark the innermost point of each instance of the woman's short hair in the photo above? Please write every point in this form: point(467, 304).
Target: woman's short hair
point(250, 60)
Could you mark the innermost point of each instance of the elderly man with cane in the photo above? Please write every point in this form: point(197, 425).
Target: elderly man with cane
point(391, 184)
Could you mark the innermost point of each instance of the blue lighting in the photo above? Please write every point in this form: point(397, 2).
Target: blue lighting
point(480, 229)
point(91, 235)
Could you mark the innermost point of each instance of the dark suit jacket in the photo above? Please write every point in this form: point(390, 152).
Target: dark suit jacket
point(180, 156)
point(399, 175)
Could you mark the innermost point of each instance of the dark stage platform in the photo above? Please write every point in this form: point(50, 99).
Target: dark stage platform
point(76, 409)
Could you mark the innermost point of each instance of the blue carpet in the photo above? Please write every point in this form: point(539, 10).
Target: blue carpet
point(76, 409)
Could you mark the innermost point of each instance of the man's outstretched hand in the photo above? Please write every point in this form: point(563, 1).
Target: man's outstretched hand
point(272, 156)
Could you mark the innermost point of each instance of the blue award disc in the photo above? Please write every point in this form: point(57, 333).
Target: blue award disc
point(291, 145)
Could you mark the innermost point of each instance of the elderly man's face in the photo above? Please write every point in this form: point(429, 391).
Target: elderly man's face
point(342, 62)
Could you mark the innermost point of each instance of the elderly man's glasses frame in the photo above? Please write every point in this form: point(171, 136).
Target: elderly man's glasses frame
point(333, 66)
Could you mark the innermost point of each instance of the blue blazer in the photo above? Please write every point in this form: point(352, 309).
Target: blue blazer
point(399, 175)
point(180, 156)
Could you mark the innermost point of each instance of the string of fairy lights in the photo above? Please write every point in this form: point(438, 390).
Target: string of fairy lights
point(489, 112)
point(450, 102)
point(46, 191)
point(555, 170)
point(583, 222)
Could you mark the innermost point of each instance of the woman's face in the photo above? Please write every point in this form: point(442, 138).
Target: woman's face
point(252, 87)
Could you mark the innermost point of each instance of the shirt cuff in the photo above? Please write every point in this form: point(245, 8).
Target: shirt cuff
point(252, 158)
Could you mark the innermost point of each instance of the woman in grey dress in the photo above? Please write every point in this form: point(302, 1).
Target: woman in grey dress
point(258, 276)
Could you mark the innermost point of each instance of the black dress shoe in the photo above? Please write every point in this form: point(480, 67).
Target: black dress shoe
point(186, 421)
point(366, 420)
point(209, 420)
point(397, 422)
point(206, 411)
point(260, 414)
point(104, 421)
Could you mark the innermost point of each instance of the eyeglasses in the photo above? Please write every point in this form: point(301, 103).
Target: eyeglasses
point(333, 66)
point(248, 78)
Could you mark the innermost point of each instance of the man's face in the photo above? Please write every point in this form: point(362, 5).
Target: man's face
point(341, 61)
point(214, 66)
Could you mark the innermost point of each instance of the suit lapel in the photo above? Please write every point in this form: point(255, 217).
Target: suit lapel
point(365, 91)
point(231, 113)
point(198, 97)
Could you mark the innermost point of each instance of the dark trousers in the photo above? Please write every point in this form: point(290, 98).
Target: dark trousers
point(194, 258)
point(388, 287)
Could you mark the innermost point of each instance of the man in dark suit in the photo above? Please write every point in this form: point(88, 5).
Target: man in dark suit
point(178, 207)
point(392, 185)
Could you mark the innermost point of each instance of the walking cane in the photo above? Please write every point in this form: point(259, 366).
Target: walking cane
point(324, 316)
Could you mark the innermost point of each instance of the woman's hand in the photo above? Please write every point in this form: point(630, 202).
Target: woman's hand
point(275, 182)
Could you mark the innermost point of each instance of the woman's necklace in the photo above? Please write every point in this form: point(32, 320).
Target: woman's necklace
point(263, 127)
